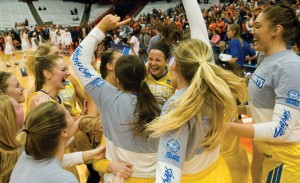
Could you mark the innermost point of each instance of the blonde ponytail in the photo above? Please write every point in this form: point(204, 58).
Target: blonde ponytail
point(212, 94)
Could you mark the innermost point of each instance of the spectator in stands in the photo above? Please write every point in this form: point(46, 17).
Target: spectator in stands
point(215, 41)
point(144, 39)
point(125, 33)
point(157, 37)
point(16, 25)
point(26, 22)
point(44, 8)
point(2, 41)
point(75, 37)
point(75, 11)
point(134, 43)
point(72, 13)
point(34, 41)
point(116, 39)
point(239, 49)
point(83, 32)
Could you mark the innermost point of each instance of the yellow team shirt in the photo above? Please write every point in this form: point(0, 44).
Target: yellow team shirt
point(162, 88)
point(32, 96)
point(68, 96)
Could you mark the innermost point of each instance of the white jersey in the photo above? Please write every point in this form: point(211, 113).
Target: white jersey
point(33, 43)
point(58, 40)
point(40, 40)
point(53, 36)
point(62, 36)
point(136, 46)
point(8, 46)
point(67, 38)
point(25, 42)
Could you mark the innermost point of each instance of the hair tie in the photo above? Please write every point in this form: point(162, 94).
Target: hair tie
point(26, 131)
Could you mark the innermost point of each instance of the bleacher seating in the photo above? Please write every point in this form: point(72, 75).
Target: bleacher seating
point(12, 11)
point(163, 5)
point(58, 11)
point(97, 10)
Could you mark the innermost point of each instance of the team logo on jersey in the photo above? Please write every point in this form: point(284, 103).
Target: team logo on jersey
point(168, 81)
point(283, 124)
point(78, 64)
point(259, 81)
point(168, 176)
point(173, 147)
point(97, 82)
point(293, 96)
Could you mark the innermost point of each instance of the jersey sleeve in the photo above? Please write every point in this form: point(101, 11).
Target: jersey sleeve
point(72, 159)
point(171, 156)
point(286, 114)
point(196, 21)
point(81, 59)
point(197, 24)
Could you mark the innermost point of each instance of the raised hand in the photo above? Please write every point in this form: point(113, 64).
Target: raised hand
point(110, 22)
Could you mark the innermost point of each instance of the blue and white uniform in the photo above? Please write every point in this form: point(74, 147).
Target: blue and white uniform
point(117, 112)
point(179, 151)
point(274, 98)
point(274, 103)
point(180, 157)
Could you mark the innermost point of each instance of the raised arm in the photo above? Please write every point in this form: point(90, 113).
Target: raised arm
point(197, 24)
point(82, 56)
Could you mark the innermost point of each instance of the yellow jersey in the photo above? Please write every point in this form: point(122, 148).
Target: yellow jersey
point(162, 88)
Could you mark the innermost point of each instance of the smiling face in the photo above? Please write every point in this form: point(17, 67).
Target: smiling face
point(59, 74)
point(14, 89)
point(157, 62)
point(262, 34)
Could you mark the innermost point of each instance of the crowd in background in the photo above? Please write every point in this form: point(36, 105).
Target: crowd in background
point(217, 19)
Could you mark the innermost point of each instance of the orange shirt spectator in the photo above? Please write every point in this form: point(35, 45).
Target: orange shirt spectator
point(178, 25)
point(135, 25)
point(212, 26)
point(220, 26)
